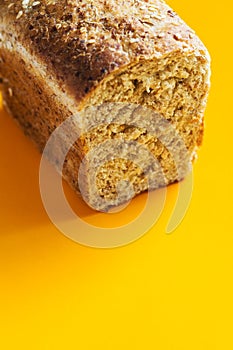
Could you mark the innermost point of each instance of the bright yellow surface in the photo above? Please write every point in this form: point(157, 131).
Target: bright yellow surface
point(163, 291)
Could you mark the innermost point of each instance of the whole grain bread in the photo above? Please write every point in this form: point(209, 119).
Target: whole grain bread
point(58, 58)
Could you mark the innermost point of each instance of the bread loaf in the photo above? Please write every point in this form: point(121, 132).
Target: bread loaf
point(58, 58)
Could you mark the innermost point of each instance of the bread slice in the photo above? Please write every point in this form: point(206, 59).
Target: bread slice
point(133, 63)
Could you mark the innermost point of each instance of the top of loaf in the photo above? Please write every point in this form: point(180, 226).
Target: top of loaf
point(82, 41)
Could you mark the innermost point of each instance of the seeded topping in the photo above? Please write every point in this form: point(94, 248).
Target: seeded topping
point(98, 35)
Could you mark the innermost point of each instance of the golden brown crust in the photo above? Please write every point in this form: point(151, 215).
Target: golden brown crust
point(83, 41)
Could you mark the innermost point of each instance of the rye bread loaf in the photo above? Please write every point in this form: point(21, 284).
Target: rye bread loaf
point(58, 58)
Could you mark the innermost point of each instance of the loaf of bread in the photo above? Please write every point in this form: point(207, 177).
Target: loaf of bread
point(128, 62)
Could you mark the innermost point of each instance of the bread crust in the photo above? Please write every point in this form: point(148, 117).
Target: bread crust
point(82, 42)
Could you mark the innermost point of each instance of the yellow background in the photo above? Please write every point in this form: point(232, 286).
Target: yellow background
point(163, 291)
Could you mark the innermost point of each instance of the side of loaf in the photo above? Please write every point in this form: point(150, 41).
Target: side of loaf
point(60, 58)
